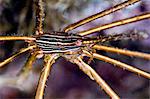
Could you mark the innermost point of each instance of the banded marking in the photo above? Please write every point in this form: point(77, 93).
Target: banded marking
point(58, 42)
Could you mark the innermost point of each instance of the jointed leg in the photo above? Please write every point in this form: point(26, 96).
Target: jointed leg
point(99, 15)
point(121, 51)
point(17, 80)
point(8, 38)
point(28, 65)
point(119, 64)
point(94, 76)
point(116, 23)
point(25, 72)
point(49, 60)
point(39, 17)
point(15, 55)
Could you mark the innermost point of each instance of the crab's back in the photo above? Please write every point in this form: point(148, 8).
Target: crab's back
point(58, 42)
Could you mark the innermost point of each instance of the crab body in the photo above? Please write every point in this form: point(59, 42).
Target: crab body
point(58, 42)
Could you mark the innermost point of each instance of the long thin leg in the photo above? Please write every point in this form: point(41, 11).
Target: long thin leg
point(122, 51)
point(39, 17)
point(99, 15)
point(24, 74)
point(15, 55)
point(94, 76)
point(119, 64)
point(49, 60)
point(21, 78)
point(4, 38)
point(116, 23)
point(28, 65)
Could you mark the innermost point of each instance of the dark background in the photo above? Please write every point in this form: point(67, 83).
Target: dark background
point(17, 17)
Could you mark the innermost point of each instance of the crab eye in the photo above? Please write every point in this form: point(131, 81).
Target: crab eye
point(79, 42)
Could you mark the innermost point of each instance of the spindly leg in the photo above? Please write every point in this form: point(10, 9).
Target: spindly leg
point(15, 55)
point(116, 23)
point(99, 15)
point(122, 51)
point(119, 64)
point(39, 17)
point(49, 60)
point(28, 65)
point(25, 72)
point(94, 76)
point(8, 38)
